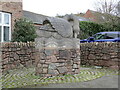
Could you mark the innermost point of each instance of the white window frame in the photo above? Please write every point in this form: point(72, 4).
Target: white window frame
point(2, 24)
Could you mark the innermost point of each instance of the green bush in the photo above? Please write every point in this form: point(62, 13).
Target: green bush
point(88, 29)
point(112, 27)
point(24, 31)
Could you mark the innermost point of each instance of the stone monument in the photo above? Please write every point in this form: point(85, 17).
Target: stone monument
point(73, 20)
point(58, 48)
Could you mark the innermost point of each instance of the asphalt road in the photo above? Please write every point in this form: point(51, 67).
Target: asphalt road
point(110, 81)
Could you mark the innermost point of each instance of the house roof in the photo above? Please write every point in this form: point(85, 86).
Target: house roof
point(82, 18)
point(100, 17)
point(35, 18)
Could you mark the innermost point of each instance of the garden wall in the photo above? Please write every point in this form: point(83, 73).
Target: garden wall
point(100, 54)
point(16, 55)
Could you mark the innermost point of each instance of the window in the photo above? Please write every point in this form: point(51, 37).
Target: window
point(0, 33)
point(6, 19)
point(0, 18)
point(112, 35)
point(98, 36)
point(106, 36)
point(5, 27)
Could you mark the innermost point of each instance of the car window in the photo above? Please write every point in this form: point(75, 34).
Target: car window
point(106, 36)
point(112, 35)
point(118, 35)
point(99, 36)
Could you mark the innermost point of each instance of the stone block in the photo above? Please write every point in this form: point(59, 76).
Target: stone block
point(64, 54)
point(42, 56)
point(16, 57)
point(45, 65)
point(59, 64)
point(116, 67)
point(49, 52)
point(53, 59)
point(52, 66)
point(61, 61)
point(69, 62)
point(45, 70)
point(62, 70)
point(73, 70)
point(75, 66)
point(42, 61)
point(53, 72)
point(77, 71)
point(91, 56)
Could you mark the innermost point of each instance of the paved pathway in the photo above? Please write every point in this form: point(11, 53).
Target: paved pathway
point(103, 82)
point(108, 81)
point(26, 78)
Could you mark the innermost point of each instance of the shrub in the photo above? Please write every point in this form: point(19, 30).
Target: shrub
point(90, 28)
point(24, 31)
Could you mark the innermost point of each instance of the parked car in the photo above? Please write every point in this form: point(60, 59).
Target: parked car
point(103, 37)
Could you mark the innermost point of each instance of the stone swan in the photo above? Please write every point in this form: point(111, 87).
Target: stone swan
point(73, 20)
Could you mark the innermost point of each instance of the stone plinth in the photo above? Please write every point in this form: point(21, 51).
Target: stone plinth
point(57, 57)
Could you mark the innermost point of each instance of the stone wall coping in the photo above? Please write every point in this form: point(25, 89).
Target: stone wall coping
point(99, 43)
point(10, 0)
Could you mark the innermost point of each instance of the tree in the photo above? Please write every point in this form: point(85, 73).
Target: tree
point(111, 9)
point(118, 8)
point(24, 31)
point(107, 6)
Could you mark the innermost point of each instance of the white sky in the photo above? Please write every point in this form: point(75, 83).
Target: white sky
point(60, 7)
point(54, 7)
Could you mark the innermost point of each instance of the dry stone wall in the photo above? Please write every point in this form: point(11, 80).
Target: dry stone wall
point(53, 62)
point(100, 54)
point(17, 55)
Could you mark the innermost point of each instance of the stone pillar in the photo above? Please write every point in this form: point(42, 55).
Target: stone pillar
point(57, 57)
point(59, 51)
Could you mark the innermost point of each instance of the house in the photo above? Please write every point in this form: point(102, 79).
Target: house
point(37, 19)
point(98, 17)
point(10, 11)
point(81, 18)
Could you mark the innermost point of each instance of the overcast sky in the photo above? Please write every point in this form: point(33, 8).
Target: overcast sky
point(60, 7)
point(54, 7)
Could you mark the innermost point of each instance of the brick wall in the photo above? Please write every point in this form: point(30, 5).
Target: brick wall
point(100, 54)
point(12, 6)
